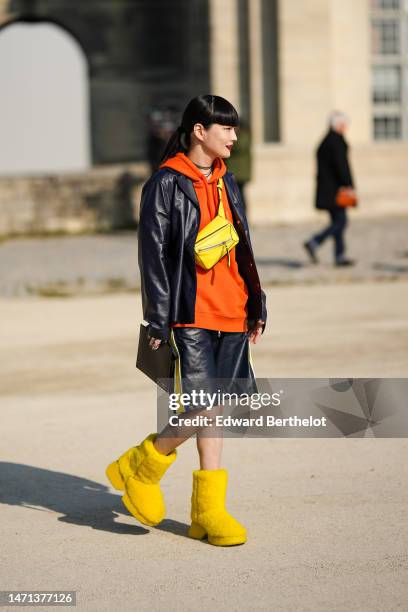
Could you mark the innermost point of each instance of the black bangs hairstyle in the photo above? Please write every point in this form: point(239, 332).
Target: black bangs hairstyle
point(205, 110)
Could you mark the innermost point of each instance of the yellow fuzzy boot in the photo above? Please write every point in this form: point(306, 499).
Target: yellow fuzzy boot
point(208, 514)
point(138, 472)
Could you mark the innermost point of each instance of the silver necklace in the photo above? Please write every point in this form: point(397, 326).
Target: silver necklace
point(202, 167)
point(209, 168)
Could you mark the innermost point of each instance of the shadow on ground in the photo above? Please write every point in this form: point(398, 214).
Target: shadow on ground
point(81, 501)
point(280, 262)
point(390, 267)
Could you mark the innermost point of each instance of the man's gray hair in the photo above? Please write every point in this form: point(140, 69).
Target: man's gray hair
point(337, 117)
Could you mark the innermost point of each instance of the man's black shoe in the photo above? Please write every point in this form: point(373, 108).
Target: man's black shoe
point(311, 252)
point(345, 262)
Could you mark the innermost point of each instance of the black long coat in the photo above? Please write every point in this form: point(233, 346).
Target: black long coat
point(168, 227)
point(333, 169)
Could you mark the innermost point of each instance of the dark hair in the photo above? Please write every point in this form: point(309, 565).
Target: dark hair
point(206, 110)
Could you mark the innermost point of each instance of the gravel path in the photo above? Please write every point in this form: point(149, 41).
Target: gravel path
point(326, 518)
point(106, 263)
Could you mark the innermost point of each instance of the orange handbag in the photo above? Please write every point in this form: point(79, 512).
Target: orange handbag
point(344, 198)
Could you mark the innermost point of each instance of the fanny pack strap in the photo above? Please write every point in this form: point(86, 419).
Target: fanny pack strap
point(221, 211)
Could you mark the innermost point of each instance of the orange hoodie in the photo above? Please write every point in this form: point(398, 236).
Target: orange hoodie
point(221, 292)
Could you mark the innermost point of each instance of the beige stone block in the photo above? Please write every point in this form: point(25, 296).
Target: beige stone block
point(304, 68)
point(224, 55)
point(5, 13)
point(351, 71)
point(256, 82)
point(324, 65)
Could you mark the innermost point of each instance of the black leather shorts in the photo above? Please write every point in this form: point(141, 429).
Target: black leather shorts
point(212, 361)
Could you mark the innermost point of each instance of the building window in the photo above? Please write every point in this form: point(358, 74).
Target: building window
point(385, 36)
point(386, 84)
point(386, 4)
point(386, 128)
point(389, 52)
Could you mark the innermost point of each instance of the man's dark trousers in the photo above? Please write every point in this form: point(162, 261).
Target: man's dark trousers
point(336, 228)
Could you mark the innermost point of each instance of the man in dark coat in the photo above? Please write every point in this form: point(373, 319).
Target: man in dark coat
point(333, 172)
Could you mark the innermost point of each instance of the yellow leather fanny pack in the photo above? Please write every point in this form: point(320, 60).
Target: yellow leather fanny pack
point(216, 239)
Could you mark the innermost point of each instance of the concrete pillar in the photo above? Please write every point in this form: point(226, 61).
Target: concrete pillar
point(5, 13)
point(350, 64)
point(324, 65)
point(255, 67)
point(304, 69)
point(224, 55)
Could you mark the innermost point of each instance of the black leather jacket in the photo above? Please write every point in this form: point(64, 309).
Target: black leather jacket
point(168, 226)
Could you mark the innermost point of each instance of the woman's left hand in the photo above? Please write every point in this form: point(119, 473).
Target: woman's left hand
point(256, 331)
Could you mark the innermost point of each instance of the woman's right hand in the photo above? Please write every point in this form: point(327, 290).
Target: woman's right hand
point(154, 343)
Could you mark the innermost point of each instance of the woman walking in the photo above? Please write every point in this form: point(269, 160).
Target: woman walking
point(208, 310)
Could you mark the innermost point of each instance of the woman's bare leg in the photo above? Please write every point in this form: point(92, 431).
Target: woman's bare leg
point(210, 450)
point(165, 442)
point(209, 441)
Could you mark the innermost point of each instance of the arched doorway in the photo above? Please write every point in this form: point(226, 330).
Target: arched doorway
point(44, 103)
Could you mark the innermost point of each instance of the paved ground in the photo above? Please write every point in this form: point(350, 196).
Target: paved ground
point(89, 264)
point(326, 518)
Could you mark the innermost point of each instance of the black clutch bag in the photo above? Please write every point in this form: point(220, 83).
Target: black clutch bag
point(156, 364)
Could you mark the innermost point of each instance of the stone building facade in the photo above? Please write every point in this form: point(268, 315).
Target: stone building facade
point(285, 64)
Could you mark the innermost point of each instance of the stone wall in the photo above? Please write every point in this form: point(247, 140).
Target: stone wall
point(282, 191)
point(104, 198)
